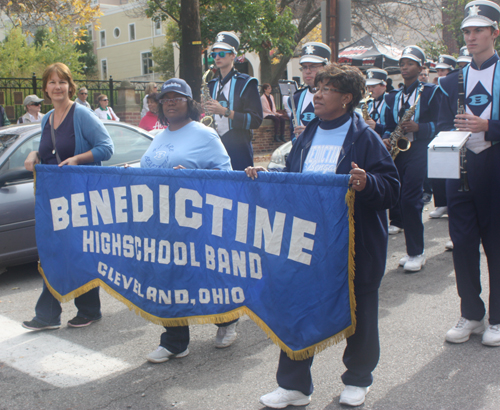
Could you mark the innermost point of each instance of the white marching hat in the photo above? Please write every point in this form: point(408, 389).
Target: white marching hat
point(227, 40)
point(314, 52)
point(376, 76)
point(481, 13)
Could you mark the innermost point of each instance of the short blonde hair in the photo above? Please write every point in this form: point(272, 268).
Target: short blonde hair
point(150, 88)
point(63, 72)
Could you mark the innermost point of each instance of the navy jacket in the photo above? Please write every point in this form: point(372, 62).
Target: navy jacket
point(304, 117)
point(363, 146)
point(244, 100)
point(426, 112)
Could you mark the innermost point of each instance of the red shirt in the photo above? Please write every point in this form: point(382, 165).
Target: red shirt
point(150, 122)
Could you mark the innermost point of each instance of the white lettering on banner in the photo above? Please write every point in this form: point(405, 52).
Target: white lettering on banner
point(266, 236)
point(181, 196)
point(222, 296)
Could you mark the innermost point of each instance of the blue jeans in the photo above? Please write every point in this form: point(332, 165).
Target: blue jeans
point(48, 308)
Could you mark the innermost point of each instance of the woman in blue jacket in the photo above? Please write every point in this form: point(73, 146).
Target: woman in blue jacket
point(71, 135)
point(339, 141)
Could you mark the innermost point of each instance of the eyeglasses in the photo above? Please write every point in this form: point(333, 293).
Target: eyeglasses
point(36, 104)
point(173, 100)
point(310, 67)
point(221, 54)
point(325, 90)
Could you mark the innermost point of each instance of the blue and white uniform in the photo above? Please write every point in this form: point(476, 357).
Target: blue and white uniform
point(304, 106)
point(474, 216)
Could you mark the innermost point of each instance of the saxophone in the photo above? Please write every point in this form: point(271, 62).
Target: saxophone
point(208, 119)
point(399, 143)
point(364, 109)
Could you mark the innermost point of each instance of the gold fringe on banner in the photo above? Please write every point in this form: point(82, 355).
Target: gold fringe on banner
point(236, 313)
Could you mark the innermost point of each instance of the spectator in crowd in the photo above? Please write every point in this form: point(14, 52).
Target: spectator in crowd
point(103, 111)
point(3, 117)
point(71, 135)
point(150, 120)
point(151, 88)
point(269, 111)
point(82, 97)
point(32, 105)
point(190, 145)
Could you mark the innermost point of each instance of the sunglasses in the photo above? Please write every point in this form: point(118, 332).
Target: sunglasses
point(221, 54)
point(36, 104)
point(83, 93)
point(105, 100)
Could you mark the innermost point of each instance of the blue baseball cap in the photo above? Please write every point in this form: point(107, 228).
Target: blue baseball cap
point(177, 85)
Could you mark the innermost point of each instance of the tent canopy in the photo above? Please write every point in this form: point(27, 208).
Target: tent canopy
point(365, 54)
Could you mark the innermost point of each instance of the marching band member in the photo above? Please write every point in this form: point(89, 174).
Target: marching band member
point(235, 102)
point(412, 164)
point(376, 84)
point(314, 57)
point(474, 215)
point(464, 57)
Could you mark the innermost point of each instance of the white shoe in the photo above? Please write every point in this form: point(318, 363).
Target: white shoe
point(353, 395)
point(281, 398)
point(438, 212)
point(415, 263)
point(161, 355)
point(393, 230)
point(461, 332)
point(448, 246)
point(225, 336)
point(403, 260)
point(491, 336)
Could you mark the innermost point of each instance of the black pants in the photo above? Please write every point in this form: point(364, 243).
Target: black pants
point(474, 217)
point(361, 354)
point(439, 190)
point(279, 124)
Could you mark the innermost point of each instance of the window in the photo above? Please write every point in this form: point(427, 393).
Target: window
point(147, 62)
point(116, 32)
point(103, 38)
point(131, 32)
point(104, 69)
point(90, 31)
point(157, 24)
point(129, 145)
point(16, 159)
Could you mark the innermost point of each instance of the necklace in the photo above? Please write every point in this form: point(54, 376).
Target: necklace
point(62, 116)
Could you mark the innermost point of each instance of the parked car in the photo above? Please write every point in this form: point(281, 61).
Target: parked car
point(279, 156)
point(17, 204)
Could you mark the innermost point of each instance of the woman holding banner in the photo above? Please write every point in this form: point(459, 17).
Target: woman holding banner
point(71, 135)
point(339, 141)
point(185, 144)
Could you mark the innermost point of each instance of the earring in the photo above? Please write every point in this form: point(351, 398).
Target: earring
point(343, 106)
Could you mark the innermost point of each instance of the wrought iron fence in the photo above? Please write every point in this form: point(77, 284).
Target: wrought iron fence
point(13, 91)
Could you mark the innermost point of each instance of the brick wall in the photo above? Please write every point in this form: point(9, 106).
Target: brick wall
point(130, 117)
point(263, 139)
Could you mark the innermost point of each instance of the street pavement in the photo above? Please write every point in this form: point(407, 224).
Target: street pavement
point(103, 366)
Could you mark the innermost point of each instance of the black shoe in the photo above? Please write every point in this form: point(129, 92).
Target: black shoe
point(79, 321)
point(426, 197)
point(282, 138)
point(36, 325)
point(277, 138)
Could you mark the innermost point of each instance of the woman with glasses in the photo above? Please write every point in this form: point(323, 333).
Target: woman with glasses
point(103, 111)
point(32, 105)
point(185, 144)
point(71, 135)
point(338, 141)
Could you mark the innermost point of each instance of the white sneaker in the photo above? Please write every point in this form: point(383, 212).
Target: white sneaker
point(161, 355)
point(448, 246)
point(491, 336)
point(438, 212)
point(353, 395)
point(403, 260)
point(280, 398)
point(461, 332)
point(393, 230)
point(415, 263)
point(225, 336)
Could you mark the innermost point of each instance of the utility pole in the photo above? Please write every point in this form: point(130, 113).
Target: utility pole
point(190, 64)
point(332, 38)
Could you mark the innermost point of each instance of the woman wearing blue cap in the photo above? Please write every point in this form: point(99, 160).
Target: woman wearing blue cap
point(184, 144)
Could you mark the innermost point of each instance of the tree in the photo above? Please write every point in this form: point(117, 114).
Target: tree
point(20, 59)
point(163, 56)
point(56, 15)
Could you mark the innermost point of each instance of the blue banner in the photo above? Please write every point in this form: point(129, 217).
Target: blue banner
point(195, 246)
